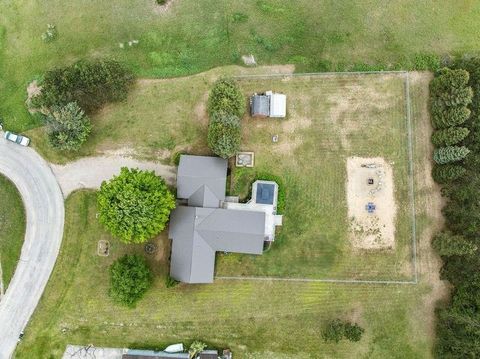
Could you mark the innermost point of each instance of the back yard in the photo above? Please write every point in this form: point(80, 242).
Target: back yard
point(330, 118)
point(265, 319)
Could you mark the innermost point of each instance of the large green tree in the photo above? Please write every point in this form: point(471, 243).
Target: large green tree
point(67, 127)
point(447, 173)
point(450, 154)
point(135, 205)
point(449, 136)
point(130, 278)
point(89, 83)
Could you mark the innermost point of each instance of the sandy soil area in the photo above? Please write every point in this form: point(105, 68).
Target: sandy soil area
point(90, 172)
point(374, 230)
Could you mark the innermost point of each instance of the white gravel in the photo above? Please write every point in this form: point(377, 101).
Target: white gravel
point(90, 172)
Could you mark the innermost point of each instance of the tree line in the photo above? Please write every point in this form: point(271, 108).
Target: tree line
point(455, 110)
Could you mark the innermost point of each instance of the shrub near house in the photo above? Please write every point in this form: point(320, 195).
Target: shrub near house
point(226, 105)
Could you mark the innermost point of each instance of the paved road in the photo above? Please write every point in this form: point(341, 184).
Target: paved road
point(45, 218)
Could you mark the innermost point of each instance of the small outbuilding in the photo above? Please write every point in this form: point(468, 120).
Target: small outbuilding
point(269, 104)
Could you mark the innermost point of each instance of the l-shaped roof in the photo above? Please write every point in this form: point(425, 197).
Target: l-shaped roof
point(203, 228)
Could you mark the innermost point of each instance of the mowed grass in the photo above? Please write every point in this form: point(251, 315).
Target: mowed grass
point(254, 319)
point(194, 36)
point(330, 118)
point(12, 228)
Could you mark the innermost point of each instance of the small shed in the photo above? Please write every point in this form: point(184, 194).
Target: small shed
point(269, 104)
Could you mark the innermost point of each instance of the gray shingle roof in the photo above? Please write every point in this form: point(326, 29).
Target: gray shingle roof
point(195, 172)
point(260, 105)
point(197, 233)
point(202, 228)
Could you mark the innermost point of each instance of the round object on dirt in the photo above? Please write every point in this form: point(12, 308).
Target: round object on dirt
point(150, 248)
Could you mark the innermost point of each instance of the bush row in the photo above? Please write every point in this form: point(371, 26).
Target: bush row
point(226, 105)
point(458, 322)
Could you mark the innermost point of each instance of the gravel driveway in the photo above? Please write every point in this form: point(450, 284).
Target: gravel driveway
point(45, 218)
point(90, 172)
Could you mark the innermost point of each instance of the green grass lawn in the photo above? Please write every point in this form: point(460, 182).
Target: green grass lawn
point(12, 228)
point(255, 319)
point(197, 35)
point(329, 119)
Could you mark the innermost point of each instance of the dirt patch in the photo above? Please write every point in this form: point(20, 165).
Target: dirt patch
point(200, 110)
point(33, 89)
point(162, 9)
point(292, 125)
point(431, 204)
point(374, 228)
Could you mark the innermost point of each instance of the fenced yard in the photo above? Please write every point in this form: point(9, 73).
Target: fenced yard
point(330, 117)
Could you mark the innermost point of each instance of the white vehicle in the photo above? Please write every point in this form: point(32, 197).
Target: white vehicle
point(21, 140)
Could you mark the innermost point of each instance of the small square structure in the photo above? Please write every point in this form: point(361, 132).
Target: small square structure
point(269, 104)
point(245, 159)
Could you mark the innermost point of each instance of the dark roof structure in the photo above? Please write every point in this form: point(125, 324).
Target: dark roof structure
point(202, 180)
point(260, 105)
point(203, 228)
point(265, 193)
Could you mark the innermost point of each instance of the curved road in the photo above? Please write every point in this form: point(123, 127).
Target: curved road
point(44, 208)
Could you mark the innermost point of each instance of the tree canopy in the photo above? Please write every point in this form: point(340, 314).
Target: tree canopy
point(130, 278)
point(135, 205)
point(226, 98)
point(68, 127)
point(89, 83)
point(224, 135)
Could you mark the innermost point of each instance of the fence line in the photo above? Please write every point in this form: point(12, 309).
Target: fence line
point(317, 74)
point(411, 185)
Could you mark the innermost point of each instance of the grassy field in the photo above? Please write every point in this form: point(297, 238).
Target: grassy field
point(329, 119)
point(12, 228)
point(194, 36)
point(255, 319)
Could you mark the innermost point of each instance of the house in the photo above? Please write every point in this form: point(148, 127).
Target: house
point(205, 221)
point(269, 104)
point(150, 354)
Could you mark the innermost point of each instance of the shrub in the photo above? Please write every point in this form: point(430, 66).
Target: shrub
point(450, 88)
point(51, 33)
point(426, 62)
point(170, 282)
point(334, 331)
point(90, 84)
point(196, 348)
point(353, 332)
point(226, 98)
point(449, 154)
point(135, 205)
point(447, 173)
point(224, 134)
point(448, 244)
point(130, 278)
point(449, 136)
point(67, 127)
point(444, 117)
point(337, 330)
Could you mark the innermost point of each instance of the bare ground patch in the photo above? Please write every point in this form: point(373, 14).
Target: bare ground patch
point(375, 230)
